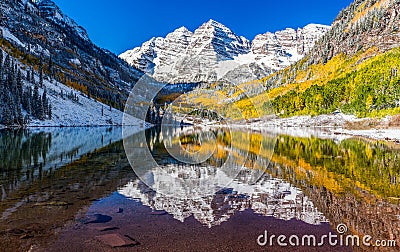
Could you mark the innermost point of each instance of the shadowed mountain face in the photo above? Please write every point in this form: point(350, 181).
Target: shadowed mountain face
point(38, 33)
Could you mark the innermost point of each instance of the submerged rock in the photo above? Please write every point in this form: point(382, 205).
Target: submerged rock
point(106, 228)
point(26, 236)
point(53, 203)
point(98, 218)
point(158, 212)
point(117, 240)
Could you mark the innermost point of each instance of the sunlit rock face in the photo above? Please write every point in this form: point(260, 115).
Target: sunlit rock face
point(214, 50)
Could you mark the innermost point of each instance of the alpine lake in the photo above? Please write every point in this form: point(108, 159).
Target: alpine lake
point(91, 189)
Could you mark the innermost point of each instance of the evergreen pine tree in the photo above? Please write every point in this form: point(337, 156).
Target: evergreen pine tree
point(40, 111)
point(33, 78)
point(7, 116)
point(41, 75)
point(6, 65)
point(35, 102)
point(20, 117)
point(49, 111)
point(1, 65)
point(28, 107)
point(45, 102)
point(50, 67)
point(19, 85)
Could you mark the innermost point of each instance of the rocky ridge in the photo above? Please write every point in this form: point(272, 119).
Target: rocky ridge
point(214, 51)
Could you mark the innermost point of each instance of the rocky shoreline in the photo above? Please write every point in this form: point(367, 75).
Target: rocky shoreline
point(387, 128)
point(335, 126)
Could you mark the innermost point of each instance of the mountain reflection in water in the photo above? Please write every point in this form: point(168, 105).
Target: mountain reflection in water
point(207, 191)
point(352, 181)
point(250, 181)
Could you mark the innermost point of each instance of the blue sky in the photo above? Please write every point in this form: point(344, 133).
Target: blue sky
point(123, 24)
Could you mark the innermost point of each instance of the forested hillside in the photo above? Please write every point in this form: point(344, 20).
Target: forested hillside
point(40, 45)
point(15, 96)
point(353, 68)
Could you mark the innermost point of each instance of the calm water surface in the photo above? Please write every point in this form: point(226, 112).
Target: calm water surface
point(74, 189)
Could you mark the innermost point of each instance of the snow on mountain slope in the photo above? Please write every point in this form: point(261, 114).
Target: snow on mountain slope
point(213, 50)
point(42, 30)
point(38, 36)
point(82, 112)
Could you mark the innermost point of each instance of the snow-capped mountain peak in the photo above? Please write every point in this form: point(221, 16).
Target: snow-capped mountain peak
point(182, 29)
point(214, 24)
point(214, 37)
point(214, 50)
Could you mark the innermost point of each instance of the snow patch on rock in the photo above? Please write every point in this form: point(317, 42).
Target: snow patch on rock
point(10, 37)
